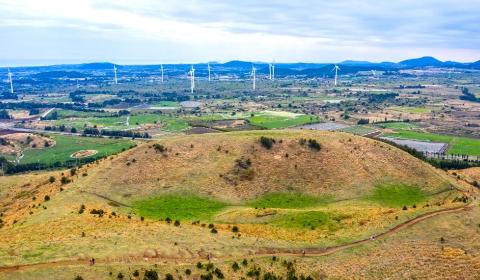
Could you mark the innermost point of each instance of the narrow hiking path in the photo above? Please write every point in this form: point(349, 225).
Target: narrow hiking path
point(262, 252)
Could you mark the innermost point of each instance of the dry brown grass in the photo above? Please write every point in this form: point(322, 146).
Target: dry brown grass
point(346, 167)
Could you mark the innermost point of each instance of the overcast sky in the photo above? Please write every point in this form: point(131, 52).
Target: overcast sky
point(168, 31)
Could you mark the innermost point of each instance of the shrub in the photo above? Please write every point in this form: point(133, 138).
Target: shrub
point(65, 180)
point(98, 212)
point(150, 275)
point(244, 262)
point(51, 179)
point(168, 276)
point(235, 229)
point(199, 265)
point(46, 198)
point(267, 142)
point(159, 148)
point(313, 144)
point(188, 271)
point(404, 208)
point(120, 275)
point(235, 266)
point(214, 230)
point(78, 277)
point(211, 226)
point(218, 273)
point(82, 209)
point(177, 223)
point(363, 121)
point(208, 276)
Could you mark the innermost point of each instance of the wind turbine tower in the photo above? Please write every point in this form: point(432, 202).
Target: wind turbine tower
point(254, 77)
point(10, 80)
point(271, 68)
point(209, 72)
point(336, 68)
point(115, 74)
point(192, 79)
point(161, 68)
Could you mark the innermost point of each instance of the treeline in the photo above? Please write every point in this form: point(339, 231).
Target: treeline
point(436, 162)
point(11, 168)
point(114, 133)
point(468, 96)
point(32, 105)
point(4, 115)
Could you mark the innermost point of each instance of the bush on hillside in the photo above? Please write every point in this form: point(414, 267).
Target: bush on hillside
point(267, 142)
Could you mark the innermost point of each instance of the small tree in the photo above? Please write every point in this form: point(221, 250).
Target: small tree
point(51, 179)
point(267, 142)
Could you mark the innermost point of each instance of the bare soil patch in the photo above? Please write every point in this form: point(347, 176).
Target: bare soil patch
point(83, 153)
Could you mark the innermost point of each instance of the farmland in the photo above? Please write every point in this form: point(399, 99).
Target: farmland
point(65, 146)
point(457, 145)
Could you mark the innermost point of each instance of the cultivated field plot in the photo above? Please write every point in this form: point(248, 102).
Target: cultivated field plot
point(457, 145)
point(329, 126)
point(424, 147)
point(65, 146)
point(277, 120)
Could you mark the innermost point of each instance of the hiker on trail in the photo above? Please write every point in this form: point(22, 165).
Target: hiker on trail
point(93, 261)
point(303, 253)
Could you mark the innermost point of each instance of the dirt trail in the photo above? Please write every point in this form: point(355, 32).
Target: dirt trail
point(262, 252)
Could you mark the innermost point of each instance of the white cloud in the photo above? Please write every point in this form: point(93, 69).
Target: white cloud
point(193, 30)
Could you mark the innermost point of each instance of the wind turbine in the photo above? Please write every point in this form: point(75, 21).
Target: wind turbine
point(10, 80)
point(254, 77)
point(336, 68)
point(192, 79)
point(271, 69)
point(374, 73)
point(115, 74)
point(161, 68)
point(209, 72)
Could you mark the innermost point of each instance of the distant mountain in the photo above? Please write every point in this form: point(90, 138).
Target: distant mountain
point(421, 62)
point(475, 64)
point(237, 64)
point(96, 66)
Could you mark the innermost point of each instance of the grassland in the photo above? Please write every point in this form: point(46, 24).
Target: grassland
point(457, 145)
point(178, 206)
point(276, 121)
point(67, 145)
point(397, 195)
point(398, 125)
point(307, 203)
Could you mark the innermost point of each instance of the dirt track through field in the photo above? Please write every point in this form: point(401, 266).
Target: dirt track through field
point(263, 252)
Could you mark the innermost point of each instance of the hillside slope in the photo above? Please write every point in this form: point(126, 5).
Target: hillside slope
point(347, 166)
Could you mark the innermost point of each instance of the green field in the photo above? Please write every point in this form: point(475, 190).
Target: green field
point(288, 201)
point(398, 125)
point(397, 195)
point(277, 121)
point(119, 123)
point(62, 114)
point(178, 206)
point(457, 145)
point(359, 129)
point(166, 104)
point(67, 145)
point(413, 110)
